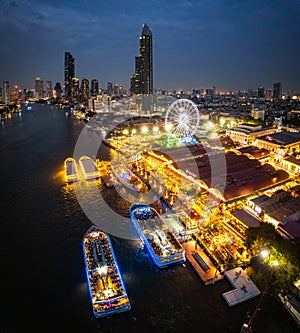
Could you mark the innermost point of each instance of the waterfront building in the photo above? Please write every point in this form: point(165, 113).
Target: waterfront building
point(39, 90)
point(5, 93)
point(69, 73)
point(243, 174)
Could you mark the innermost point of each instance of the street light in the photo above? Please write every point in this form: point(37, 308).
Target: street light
point(265, 253)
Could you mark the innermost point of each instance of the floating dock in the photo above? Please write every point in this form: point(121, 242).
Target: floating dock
point(89, 168)
point(244, 288)
point(71, 172)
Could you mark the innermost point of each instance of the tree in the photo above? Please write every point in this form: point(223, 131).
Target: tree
point(258, 238)
point(283, 252)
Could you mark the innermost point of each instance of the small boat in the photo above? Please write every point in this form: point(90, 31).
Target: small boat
point(71, 171)
point(89, 168)
point(163, 247)
point(106, 287)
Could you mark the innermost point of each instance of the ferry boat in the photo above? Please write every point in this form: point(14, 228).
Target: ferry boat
point(89, 168)
point(71, 171)
point(106, 287)
point(163, 247)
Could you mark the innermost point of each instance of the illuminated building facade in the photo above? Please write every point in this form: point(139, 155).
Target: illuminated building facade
point(69, 73)
point(49, 92)
point(39, 90)
point(5, 93)
point(280, 143)
point(94, 88)
point(85, 92)
point(57, 91)
point(143, 64)
point(75, 90)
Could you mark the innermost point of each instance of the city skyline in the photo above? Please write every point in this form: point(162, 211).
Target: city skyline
point(228, 44)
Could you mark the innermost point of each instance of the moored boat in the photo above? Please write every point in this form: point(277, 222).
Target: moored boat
point(71, 172)
point(127, 178)
point(106, 287)
point(89, 168)
point(163, 247)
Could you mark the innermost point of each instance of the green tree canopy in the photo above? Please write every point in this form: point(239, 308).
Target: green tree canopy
point(285, 252)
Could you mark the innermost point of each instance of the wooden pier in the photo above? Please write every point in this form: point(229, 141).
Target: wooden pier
point(201, 263)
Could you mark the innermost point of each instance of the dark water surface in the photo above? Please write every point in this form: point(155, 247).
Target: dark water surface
point(43, 282)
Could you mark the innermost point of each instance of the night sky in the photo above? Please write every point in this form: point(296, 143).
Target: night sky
point(228, 44)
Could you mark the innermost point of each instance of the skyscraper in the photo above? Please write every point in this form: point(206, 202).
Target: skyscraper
point(49, 92)
point(74, 90)
point(39, 89)
point(5, 93)
point(69, 73)
point(94, 88)
point(277, 91)
point(261, 92)
point(85, 91)
point(109, 88)
point(143, 76)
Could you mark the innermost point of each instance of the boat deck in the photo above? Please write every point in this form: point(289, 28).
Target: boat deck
point(162, 245)
point(106, 287)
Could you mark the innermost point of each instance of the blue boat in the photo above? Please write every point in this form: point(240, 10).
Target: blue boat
point(106, 287)
point(163, 247)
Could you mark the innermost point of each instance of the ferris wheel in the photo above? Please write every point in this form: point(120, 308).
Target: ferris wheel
point(182, 119)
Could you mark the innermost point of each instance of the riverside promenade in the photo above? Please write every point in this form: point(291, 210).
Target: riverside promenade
point(201, 263)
